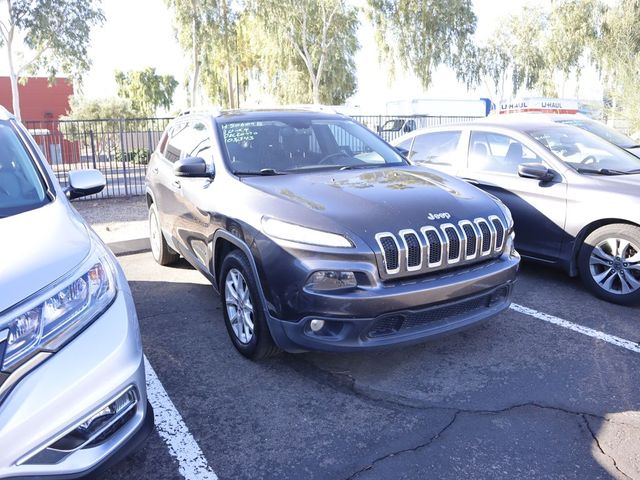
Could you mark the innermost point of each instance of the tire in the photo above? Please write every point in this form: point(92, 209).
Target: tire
point(248, 329)
point(162, 253)
point(609, 263)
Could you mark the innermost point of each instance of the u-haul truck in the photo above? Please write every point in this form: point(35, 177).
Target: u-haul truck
point(538, 105)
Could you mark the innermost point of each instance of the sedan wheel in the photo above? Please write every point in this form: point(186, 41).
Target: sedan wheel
point(239, 306)
point(609, 263)
point(615, 266)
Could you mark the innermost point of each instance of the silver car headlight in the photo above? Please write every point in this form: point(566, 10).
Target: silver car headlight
point(52, 317)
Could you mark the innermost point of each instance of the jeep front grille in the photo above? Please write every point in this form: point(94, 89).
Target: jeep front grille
point(411, 252)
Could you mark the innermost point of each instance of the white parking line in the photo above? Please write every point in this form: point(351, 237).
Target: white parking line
point(590, 332)
point(192, 463)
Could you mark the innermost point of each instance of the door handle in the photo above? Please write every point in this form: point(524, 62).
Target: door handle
point(176, 184)
point(155, 170)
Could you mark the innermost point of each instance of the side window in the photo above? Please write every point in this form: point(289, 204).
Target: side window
point(187, 139)
point(493, 152)
point(436, 147)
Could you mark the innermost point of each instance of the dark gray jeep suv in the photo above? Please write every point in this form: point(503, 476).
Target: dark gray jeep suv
point(319, 235)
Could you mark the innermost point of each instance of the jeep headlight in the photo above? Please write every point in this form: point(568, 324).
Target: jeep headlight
point(299, 234)
point(52, 317)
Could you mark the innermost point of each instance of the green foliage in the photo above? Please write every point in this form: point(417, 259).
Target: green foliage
point(81, 108)
point(617, 54)
point(47, 35)
point(146, 90)
point(209, 31)
point(306, 49)
point(56, 32)
point(424, 35)
point(531, 49)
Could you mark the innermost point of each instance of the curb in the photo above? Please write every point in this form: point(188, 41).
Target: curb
point(130, 247)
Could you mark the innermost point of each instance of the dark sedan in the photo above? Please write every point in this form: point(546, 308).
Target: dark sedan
point(575, 197)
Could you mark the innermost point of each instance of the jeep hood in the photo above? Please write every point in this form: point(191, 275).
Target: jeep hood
point(39, 246)
point(382, 199)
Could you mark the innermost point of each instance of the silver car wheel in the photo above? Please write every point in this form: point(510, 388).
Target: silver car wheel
point(154, 234)
point(615, 266)
point(239, 306)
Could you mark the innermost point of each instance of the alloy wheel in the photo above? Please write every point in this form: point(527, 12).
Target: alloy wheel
point(239, 305)
point(615, 266)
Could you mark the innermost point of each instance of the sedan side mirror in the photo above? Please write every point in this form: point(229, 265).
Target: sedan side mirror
point(191, 167)
point(85, 182)
point(535, 170)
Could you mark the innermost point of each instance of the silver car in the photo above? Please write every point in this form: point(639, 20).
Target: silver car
point(72, 380)
point(573, 195)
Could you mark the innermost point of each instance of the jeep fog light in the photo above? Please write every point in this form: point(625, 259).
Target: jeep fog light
point(316, 325)
point(326, 280)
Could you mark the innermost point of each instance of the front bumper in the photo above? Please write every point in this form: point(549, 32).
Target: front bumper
point(86, 374)
point(404, 312)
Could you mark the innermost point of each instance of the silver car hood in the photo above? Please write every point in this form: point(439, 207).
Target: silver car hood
point(37, 248)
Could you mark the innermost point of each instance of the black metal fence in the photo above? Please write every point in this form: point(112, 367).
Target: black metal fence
point(121, 148)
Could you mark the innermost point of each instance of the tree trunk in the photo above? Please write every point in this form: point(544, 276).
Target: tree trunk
point(196, 59)
point(15, 93)
point(315, 83)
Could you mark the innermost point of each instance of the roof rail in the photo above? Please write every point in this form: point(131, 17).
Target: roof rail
point(312, 107)
point(215, 111)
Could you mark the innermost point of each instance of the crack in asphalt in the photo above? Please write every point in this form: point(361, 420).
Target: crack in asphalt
point(595, 439)
point(336, 381)
point(405, 450)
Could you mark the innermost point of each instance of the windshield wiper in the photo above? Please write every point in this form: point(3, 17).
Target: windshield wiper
point(601, 171)
point(265, 172)
point(358, 166)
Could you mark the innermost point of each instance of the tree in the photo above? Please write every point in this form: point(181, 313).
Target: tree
point(532, 48)
point(316, 42)
point(208, 29)
point(51, 35)
point(81, 108)
point(572, 27)
point(424, 35)
point(146, 90)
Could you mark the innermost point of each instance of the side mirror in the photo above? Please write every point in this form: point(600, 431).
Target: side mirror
point(535, 170)
point(85, 182)
point(191, 167)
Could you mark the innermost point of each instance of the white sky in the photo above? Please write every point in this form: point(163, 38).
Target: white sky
point(140, 33)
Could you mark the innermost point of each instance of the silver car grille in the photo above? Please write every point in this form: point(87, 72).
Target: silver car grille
point(430, 248)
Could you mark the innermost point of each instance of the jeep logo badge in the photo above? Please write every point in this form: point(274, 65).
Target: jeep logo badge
point(439, 216)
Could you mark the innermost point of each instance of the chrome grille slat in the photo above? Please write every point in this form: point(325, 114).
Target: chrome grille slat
point(435, 247)
point(500, 232)
point(413, 248)
point(453, 240)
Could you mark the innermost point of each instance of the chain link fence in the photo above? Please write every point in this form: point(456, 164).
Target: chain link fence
point(121, 148)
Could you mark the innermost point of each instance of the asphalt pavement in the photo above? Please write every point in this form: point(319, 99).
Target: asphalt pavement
point(521, 396)
point(548, 389)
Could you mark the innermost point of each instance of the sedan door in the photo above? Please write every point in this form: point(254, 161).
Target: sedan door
point(439, 150)
point(538, 207)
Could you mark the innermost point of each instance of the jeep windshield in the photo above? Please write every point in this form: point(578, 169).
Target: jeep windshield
point(280, 146)
point(21, 186)
point(585, 152)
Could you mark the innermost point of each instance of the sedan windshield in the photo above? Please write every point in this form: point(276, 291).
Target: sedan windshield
point(278, 146)
point(608, 133)
point(586, 152)
point(21, 187)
